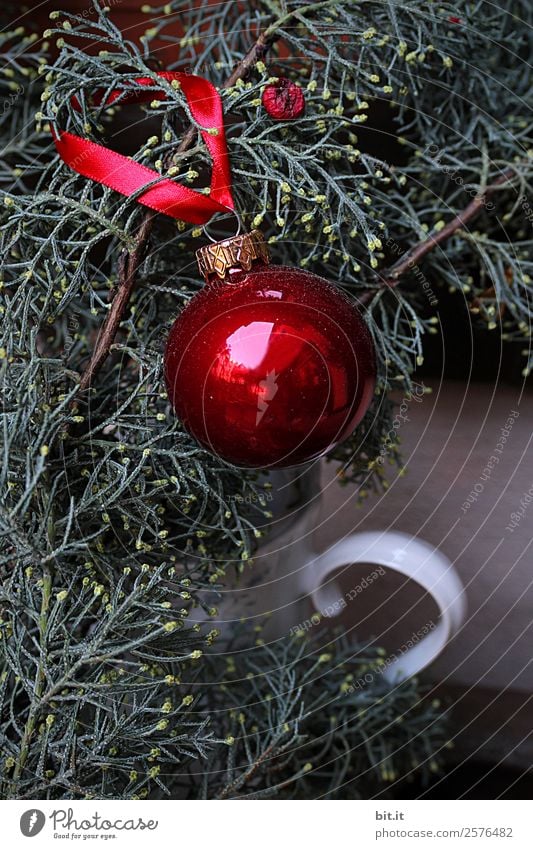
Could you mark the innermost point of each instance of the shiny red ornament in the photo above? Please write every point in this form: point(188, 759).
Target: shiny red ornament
point(284, 100)
point(270, 366)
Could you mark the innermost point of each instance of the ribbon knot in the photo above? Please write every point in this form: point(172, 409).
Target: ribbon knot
point(118, 172)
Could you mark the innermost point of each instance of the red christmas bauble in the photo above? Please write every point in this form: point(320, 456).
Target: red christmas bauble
point(284, 100)
point(270, 366)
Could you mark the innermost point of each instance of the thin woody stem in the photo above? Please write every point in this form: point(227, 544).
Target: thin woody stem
point(129, 263)
point(390, 277)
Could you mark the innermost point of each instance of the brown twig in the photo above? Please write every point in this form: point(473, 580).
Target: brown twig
point(390, 277)
point(250, 772)
point(130, 261)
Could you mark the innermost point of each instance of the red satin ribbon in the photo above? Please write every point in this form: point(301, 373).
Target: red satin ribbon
point(122, 174)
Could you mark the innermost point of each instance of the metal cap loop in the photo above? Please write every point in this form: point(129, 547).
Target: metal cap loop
point(237, 252)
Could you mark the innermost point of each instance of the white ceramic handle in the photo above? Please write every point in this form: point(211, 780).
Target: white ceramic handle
point(412, 557)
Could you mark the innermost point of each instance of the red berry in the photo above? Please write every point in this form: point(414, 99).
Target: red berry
point(454, 20)
point(284, 100)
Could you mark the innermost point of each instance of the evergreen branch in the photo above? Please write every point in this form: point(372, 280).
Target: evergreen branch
point(391, 276)
point(29, 728)
point(104, 690)
point(249, 773)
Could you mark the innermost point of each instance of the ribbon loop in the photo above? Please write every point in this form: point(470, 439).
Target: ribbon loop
point(118, 172)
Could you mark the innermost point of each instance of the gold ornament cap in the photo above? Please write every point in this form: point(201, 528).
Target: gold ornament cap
point(237, 253)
